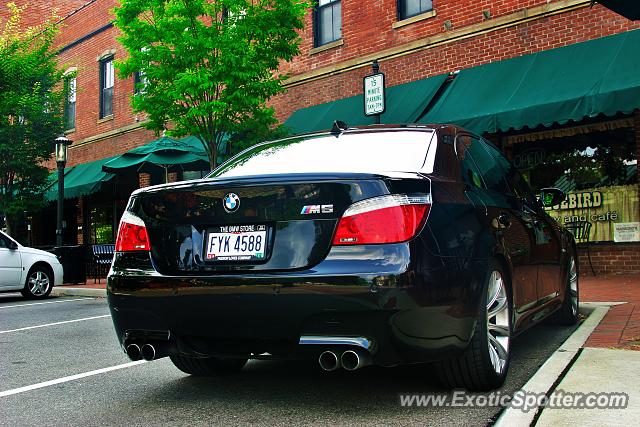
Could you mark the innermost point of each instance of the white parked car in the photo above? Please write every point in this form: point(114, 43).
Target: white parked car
point(31, 271)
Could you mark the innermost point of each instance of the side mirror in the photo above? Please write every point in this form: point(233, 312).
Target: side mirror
point(551, 197)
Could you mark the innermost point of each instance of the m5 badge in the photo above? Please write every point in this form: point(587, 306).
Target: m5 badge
point(316, 209)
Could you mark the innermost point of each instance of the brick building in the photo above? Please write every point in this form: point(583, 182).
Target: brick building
point(427, 51)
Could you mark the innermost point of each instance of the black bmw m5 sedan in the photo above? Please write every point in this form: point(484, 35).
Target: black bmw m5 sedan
point(382, 245)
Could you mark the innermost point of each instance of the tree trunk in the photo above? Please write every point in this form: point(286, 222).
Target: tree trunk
point(11, 225)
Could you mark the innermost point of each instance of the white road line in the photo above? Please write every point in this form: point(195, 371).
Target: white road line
point(40, 303)
point(54, 324)
point(69, 378)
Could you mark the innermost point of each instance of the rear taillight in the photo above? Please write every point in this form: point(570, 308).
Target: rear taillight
point(132, 234)
point(386, 219)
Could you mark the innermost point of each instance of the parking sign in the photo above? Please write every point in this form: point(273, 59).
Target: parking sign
point(374, 95)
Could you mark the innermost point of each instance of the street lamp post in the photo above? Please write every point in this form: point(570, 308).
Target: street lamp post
point(61, 145)
point(375, 67)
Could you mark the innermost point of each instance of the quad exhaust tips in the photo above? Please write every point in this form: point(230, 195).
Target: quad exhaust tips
point(133, 351)
point(147, 352)
point(329, 361)
point(355, 359)
point(349, 360)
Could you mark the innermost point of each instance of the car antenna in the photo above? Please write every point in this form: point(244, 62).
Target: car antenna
point(338, 127)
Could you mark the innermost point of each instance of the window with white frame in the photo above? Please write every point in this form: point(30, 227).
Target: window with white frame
point(107, 80)
point(70, 102)
point(410, 8)
point(327, 21)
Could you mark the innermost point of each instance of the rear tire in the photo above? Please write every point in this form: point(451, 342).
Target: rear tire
point(485, 363)
point(39, 282)
point(568, 314)
point(209, 367)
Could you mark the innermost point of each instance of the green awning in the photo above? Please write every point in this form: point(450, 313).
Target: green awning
point(168, 153)
point(79, 180)
point(630, 9)
point(554, 86)
point(405, 103)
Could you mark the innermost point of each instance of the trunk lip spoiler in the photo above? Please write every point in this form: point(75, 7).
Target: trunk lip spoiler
point(253, 180)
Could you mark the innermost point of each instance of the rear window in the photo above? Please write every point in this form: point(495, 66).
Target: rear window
point(366, 152)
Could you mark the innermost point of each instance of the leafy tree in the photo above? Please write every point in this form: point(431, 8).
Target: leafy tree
point(30, 113)
point(207, 67)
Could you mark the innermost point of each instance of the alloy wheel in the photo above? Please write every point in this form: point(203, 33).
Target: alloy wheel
point(38, 283)
point(573, 286)
point(498, 322)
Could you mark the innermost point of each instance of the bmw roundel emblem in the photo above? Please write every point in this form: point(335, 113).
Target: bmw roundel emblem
point(231, 202)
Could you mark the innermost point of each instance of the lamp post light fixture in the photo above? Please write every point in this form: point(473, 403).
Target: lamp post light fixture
point(61, 145)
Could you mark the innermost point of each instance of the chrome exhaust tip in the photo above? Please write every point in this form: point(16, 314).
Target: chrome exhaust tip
point(133, 351)
point(355, 359)
point(329, 361)
point(148, 352)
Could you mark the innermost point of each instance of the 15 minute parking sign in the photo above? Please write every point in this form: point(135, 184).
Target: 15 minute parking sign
point(374, 94)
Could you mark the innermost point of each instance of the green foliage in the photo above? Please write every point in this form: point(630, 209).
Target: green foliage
point(601, 165)
point(30, 111)
point(208, 66)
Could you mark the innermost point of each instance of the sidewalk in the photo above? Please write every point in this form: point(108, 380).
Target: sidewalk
point(598, 371)
point(88, 289)
point(605, 365)
point(621, 326)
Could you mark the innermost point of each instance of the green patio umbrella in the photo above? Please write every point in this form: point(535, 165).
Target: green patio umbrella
point(166, 153)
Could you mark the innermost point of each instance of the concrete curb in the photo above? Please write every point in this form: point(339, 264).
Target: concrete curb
point(79, 292)
point(544, 379)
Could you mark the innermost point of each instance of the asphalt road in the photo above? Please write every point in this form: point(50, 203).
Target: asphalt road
point(156, 393)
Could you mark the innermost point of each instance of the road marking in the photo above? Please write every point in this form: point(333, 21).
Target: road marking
point(55, 323)
point(40, 303)
point(69, 378)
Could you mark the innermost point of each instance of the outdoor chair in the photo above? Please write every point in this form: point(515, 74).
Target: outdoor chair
point(581, 231)
point(100, 260)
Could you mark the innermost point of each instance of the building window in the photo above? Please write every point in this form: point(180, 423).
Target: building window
point(140, 81)
point(230, 17)
point(409, 8)
point(596, 165)
point(328, 21)
point(107, 78)
point(70, 103)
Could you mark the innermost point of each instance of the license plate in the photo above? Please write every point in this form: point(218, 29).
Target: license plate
point(237, 243)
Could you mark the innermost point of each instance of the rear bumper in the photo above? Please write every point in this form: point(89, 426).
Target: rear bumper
point(407, 315)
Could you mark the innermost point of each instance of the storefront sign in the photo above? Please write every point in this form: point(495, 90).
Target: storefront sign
point(627, 232)
point(374, 102)
point(612, 212)
point(587, 199)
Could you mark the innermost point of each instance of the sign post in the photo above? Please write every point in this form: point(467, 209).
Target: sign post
point(374, 93)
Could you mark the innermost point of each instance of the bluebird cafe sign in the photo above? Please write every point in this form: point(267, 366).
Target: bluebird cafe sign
point(614, 212)
point(374, 102)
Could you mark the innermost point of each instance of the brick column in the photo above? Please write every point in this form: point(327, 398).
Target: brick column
point(80, 221)
point(172, 177)
point(144, 180)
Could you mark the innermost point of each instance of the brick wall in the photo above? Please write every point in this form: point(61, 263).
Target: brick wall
point(366, 31)
point(609, 258)
point(488, 45)
point(38, 11)
point(144, 180)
